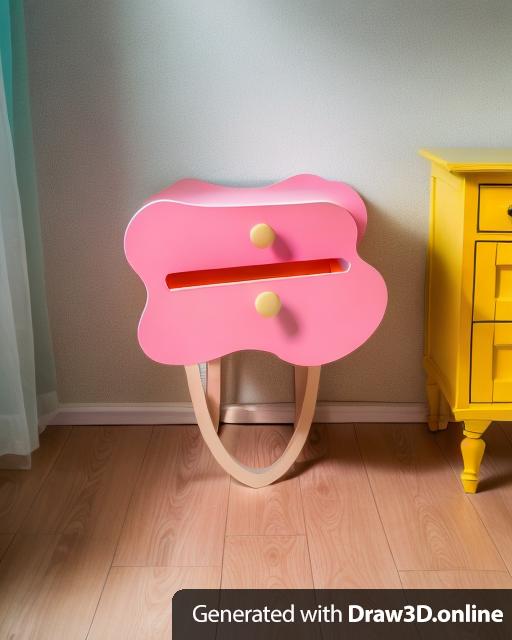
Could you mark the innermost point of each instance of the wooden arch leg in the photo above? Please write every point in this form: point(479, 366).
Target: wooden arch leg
point(213, 377)
point(300, 376)
point(259, 477)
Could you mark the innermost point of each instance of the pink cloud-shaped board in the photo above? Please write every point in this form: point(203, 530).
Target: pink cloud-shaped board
point(191, 246)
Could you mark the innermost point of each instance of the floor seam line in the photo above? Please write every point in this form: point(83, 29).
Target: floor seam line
point(359, 448)
point(475, 510)
point(107, 574)
point(44, 479)
point(304, 523)
point(225, 534)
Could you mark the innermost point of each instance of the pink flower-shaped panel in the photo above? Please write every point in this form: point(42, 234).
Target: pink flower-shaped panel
point(205, 273)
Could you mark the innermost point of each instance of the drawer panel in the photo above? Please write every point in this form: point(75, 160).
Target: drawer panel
point(194, 238)
point(491, 362)
point(494, 204)
point(492, 300)
point(320, 318)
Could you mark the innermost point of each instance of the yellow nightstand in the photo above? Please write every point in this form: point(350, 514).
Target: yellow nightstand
point(468, 339)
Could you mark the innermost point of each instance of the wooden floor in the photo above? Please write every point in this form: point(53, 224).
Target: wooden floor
point(110, 522)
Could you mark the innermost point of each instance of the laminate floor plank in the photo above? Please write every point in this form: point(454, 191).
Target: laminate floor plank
point(136, 601)
point(177, 516)
point(266, 562)
point(272, 510)
point(428, 520)
point(90, 485)
point(346, 539)
point(456, 579)
point(493, 501)
point(360, 500)
point(19, 487)
point(50, 585)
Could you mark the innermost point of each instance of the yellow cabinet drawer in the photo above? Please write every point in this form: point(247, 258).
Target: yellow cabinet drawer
point(492, 298)
point(491, 362)
point(494, 205)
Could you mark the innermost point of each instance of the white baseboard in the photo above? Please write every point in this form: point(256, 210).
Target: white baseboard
point(47, 407)
point(277, 413)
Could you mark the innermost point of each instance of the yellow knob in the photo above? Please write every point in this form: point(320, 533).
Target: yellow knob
point(262, 236)
point(267, 304)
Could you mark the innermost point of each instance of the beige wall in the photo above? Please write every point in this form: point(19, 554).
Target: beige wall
point(129, 95)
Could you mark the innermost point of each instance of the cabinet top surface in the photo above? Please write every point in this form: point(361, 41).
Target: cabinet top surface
point(469, 159)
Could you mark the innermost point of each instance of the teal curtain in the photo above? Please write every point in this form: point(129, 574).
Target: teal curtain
point(27, 370)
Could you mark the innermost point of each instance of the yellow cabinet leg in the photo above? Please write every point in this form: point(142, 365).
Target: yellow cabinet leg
point(472, 448)
point(445, 413)
point(434, 399)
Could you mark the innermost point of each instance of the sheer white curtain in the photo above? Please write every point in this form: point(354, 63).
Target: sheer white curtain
point(27, 369)
point(18, 397)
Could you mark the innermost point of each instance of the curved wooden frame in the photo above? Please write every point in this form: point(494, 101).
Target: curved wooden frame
point(206, 408)
point(213, 377)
